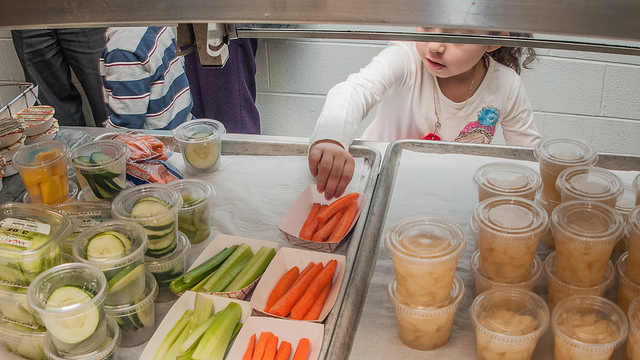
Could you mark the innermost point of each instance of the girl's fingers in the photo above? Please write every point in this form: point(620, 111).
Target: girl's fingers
point(314, 159)
point(325, 167)
point(347, 175)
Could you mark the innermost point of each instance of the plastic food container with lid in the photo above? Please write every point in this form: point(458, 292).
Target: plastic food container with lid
point(633, 341)
point(169, 267)
point(425, 252)
point(589, 183)
point(506, 179)
point(31, 237)
point(85, 214)
point(548, 206)
point(15, 308)
point(194, 217)
point(484, 282)
point(200, 143)
point(23, 341)
point(101, 168)
point(624, 205)
point(633, 231)
point(108, 349)
point(72, 193)
point(636, 188)
point(627, 288)
point(43, 168)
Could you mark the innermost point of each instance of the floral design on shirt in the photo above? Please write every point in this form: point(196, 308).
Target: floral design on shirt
point(482, 130)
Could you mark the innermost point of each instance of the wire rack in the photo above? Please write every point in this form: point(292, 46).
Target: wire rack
point(16, 96)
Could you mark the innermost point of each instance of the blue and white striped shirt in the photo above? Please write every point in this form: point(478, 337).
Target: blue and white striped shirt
point(145, 85)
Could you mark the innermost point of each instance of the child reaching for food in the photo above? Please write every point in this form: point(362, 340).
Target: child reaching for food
point(425, 90)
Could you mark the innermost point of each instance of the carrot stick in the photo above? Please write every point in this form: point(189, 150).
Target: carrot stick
point(261, 345)
point(248, 354)
point(313, 290)
point(282, 286)
point(283, 306)
point(337, 205)
point(271, 348)
point(310, 225)
point(325, 231)
point(301, 350)
point(316, 309)
point(345, 222)
point(284, 351)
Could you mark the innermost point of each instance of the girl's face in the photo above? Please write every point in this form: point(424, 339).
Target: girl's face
point(445, 60)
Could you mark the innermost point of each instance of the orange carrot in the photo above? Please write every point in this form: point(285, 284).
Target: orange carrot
point(271, 348)
point(248, 354)
point(337, 205)
point(308, 268)
point(325, 231)
point(310, 225)
point(345, 222)
point(283, 306)
point(261, 345)
point(282, 286)
point(284, 351)
point(302, 349)
point(313, 290)
point(316, 309)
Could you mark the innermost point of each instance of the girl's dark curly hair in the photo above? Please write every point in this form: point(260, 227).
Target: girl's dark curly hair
point(515, 57)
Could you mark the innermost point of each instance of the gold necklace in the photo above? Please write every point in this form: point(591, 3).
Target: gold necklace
point(435, 108)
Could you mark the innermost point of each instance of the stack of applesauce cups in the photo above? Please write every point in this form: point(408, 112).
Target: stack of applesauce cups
point(426, 291)
point(628, 265)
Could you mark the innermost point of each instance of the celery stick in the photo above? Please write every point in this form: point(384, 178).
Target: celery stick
point(187, 355)
point(201, 271)
point(195, 335)
point(198, 286)
point(215, 340)
point(253, 270)
point(173, 335)
point(175, 347)
point(202, 309)
point(229, 269)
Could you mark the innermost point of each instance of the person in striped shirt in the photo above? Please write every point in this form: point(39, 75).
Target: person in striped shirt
point(145, 85)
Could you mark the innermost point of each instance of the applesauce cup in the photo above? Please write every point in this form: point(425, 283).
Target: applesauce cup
point(548, 206)
point(559, 289)
point(624, 205)
point(101, 168)
point(589, 183)
point(200, 143)
point(633, 231)
point(627, 288)
point(194, 217)
point(43, 168)
point(555, 155)
point(473, 230)
point(484, 282)
point(508, 231)
point(425, 252)
point(632, 352)
point(585, 234)
point(506, 179)
point(426, 327)
point(508, 323)
point(587, 327)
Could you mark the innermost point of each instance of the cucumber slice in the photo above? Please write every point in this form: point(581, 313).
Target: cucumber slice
point(82, 161)
point(108, 244)
point(107, 162)
point(201, 156)
point(148, 206)
point(76, 329)
point(125, 277)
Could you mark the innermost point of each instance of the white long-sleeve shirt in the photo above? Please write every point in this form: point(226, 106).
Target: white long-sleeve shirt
point(399, 82)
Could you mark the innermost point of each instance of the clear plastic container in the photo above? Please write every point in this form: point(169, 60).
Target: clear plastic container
point(587, 327)
point(624, 205)
point(425, 252)
point(160, 222)
point(85, 214)
point(72, 193)
point(31, 238)
point(555, 155)
point(585, 234)
point(548, 206)
point(194, 217)
point(423, 327)
point(124, 271)
point(15, 308)
point(473, 230)
point(101, 168)
point(509, 230)
point(632, 352)
point(559, 289)
point(506, 179)
point(169, 268)
point(589, 183)
point(633, 231)
point(137, 320)
point(636, 187)
point(26, 342)
point(508, 323)
point(627, 288)
point(76, 327)
point(200, 143)
point(108, 349)
point(484, 282)
point(43, 168)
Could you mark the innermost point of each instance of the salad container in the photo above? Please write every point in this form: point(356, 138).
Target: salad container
point(194, 219)
point(23, 341)
point(101, 168)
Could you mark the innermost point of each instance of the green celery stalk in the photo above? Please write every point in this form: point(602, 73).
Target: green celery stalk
point(198, 286)
point(253, 270)
point(195, 335)
point(173, 334)
point(214, 341)
point(202, 309)
point(175, 347)
point(229, 269)
point(187, 355)
point(201, 271)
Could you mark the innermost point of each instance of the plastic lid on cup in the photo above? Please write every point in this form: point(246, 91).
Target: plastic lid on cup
point(194, 192)
point(176, 257)
point(131, 230)
point(115, 150)
point(587, 221)
point(40, 154)
point(566, 152)
point(37, 219)
point(626, 201)
point(636, 185)
point(589, 183)
point(634, 316)
point(633, 221)
point(507, 178)
point(199, 130)
point(124, 202)
point(513, 216)
point(423, 238)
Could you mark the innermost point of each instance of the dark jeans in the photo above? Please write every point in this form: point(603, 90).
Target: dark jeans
point(47, 57)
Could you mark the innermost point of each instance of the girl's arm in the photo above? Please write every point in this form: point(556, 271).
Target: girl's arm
point(518, 126)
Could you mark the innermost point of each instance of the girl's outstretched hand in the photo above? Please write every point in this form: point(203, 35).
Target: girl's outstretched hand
point(332, 165)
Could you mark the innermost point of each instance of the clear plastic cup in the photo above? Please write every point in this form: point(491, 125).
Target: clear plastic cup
point(555, 155)
point(587, 327)
point(15, 308)
point(633, 231)
point(627, 288)
point(636, 187)
point(559, 289)
point(85, 214)
point(160, 223)
point(548, 206)
point(77, 327)
point(124, 271)
point(508, 231)
point(194, 217)
point(43, 168)
point(624, 205)
point(23, 341)
point(589, 183)
point(424, 327)
point(506, 179)
point(108, 350)
point(168, 268)
point(473, 230)
point(72, 193)
point(200, 143)
point(484, 282)
point(137, 320)
point(425, 252)
point(632, 352)
point(585, 234)
point(101, 168)
point(508, 323)
point(31, 238)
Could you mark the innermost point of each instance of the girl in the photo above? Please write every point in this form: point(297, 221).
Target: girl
point(426, 90)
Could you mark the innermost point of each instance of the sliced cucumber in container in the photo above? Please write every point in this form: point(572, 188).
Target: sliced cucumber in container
point(169, 267)
point(125, 283)
point(23, 341)
point(162, 230)
point(101, 173)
